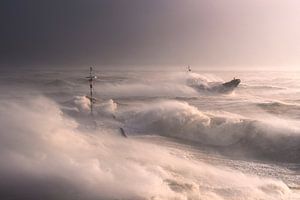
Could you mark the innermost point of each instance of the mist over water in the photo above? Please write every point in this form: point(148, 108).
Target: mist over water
point(187, 139)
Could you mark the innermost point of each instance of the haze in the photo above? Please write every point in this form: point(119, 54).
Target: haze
point(219, 34)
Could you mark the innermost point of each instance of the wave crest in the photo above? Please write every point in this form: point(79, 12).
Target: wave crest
point(182, 121)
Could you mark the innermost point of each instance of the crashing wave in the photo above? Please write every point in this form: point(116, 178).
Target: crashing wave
point(205, 84)
point(182, 121)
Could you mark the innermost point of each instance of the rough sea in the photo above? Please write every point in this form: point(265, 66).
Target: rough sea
point(187, 137)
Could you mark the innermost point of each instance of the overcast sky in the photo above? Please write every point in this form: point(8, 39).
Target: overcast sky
point(210, 33)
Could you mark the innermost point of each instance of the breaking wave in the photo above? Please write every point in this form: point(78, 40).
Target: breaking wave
point(53, 148)
point(52, 159)
point(170, 85)
point(279, 107)
point(263, 140)
point(207, 83)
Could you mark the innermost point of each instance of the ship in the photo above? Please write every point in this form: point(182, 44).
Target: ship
point(228, 86)
point(233, 83)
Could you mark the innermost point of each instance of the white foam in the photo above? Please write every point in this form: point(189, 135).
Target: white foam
point(100, 165)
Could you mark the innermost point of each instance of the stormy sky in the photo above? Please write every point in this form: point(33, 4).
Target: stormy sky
point(208, 33)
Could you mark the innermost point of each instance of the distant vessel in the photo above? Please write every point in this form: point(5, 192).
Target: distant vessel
point(228, 86)
point(233, 83)
point(189, 69)
point(219, 87)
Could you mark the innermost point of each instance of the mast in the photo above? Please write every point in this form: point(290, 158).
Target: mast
point(91, 79)
point(189, 69)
